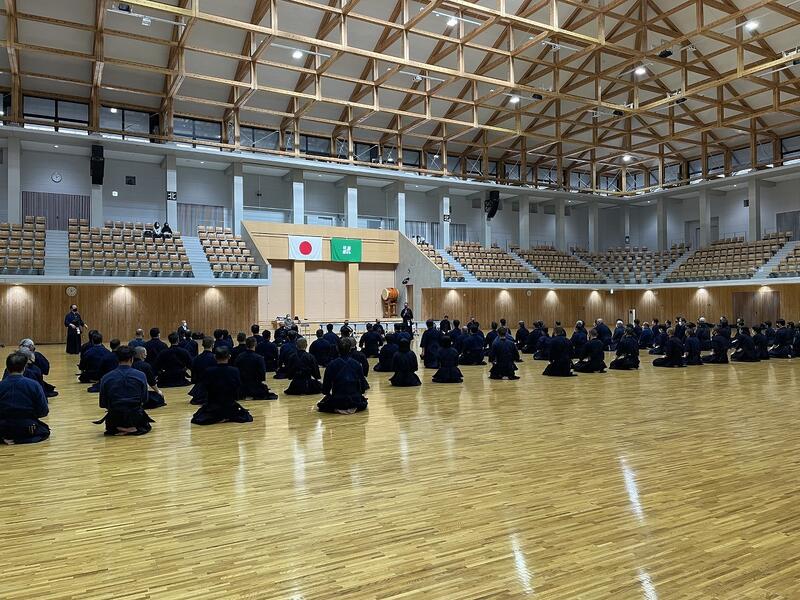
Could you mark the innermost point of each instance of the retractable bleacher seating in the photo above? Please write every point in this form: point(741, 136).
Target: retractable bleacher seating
point(448, 271)
point(120, 249)
point(632, 264)
point(558, 266)
point(22, 247)
point(490, 265)
point(228, 254)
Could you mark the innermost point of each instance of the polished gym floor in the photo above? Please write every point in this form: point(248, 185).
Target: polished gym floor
point(656, 484)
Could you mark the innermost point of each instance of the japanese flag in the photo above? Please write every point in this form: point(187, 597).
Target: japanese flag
point(302, 247)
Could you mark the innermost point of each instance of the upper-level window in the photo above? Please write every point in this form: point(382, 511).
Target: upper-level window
point(62, 113)
point(134, 124)
point(254, 137)
point(197, 129)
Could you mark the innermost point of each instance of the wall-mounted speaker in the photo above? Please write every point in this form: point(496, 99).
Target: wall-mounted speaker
point(492, 204)
point(97, 165)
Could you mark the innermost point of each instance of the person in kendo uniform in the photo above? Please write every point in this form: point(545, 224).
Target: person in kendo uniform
point(603, 333)
point(619, 331)
point(123, 393)
point(332, 339)
point(155, 397)
point(592, 356)
point(660, 339)
point(502, 354)
point(448, 363)
point(268, 351)
point(543, 345)
point(204, 361)
point(692, 347)
point(75, 326)
point(255, 331)
point(760, 342)
point(533, 338)
point(627, 351)
point(138, 339)
point(472, 349)
point(490, 338)
point(342, 383)
point(189, 343)
point(769, 332)
point(521, 337)
point(724, 328)
point(444, 325)
point(378, 328)
point(386, 354)
point(745, 347)
point(455, 332)
point(241, 346)
point(579, 339)
point(795, 333)
point(680, 328)
point(673, 351)
point(782, 347)
point(252, 373)
point(458, 337)
point(345, 330)
point(282, 334)
point(407, 315)
point(22, 404)
point(154, 346)
point(405, 366)
point(287, 351)
point(637, 328)
point(31, 371)
point(370, 342)
point(92, 359)
point(88, 343)
point(223, 387)
point(403, 333)
point(107, 364)
point(171, 364)
point(429, 344)
point(719, 348)
point(304, 372)
point(704, 334)
point(560, 355)
point(183, 328)
point(646, 337)
point(321, 350)
point(361, 359)
point(41, 362)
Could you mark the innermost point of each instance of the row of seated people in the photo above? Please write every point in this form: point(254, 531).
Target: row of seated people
point(632, 264)
point(448, 271)
point(730, 258)
point(22, 247)
point(558, 266)
point(490, 264)
point(125, 251)
point(228, 254)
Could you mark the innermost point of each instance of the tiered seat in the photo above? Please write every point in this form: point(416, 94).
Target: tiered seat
point(632, 264)
point(490, 264)
point(789, 265)
point(228, 253)
point(22, 247)
point(559, 266)
point(731, 258)
point(121, 249)
point(449, 272)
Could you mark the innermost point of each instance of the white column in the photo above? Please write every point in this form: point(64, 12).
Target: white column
point(594, 227)
point(298, 198)
point(561, 225)
point(661, 223)
point(96, 206)
point(444, 219)
point(396, 197)
point(170, 165)
point(524, 223)
point(14, 191)
point(754, 210)
point(626, 215)
point(704, 211)
point(350, 202)
point(238, 198)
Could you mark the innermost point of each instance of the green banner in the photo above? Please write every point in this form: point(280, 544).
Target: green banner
point(344, 250)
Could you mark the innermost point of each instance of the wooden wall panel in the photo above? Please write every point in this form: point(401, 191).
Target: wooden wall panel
point(37, 311)
point(325, 292)
point(568, 305)
point(372, 280)
point(279, 296)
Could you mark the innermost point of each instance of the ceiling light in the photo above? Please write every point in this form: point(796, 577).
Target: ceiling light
point(2, 112)
point(115, 193)
point(751, 26)
point(514, 99)
point(297, 54)
point(113, 111)
point(146, 21)
point(55, 146)
point(452, 22)
point(640, 70)
point(665, 53)
point(627, 158)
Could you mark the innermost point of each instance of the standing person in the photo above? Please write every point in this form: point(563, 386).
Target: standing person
point(22, 404)
point(183, 328)
point(75, 325)
point(407, 315)
point(444, 325)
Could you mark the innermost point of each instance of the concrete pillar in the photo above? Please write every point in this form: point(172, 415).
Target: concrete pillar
point(524, 223)
point(444, 219)
point(594, 227)
point(754, 210)
point(661, 223)
point(238, 198)
point(350, 201)
point(704, 211)
point(298, 198)
point(626, 215)
point(299, 288)
point(96, 206)
point(14, 191)
point(352, 293)
point(561, 225)
point(171, 168)
point(396, 197)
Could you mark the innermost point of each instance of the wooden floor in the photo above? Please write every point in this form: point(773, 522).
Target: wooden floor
point(655, 484)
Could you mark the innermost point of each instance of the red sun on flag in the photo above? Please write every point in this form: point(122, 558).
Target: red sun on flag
point(305, 248)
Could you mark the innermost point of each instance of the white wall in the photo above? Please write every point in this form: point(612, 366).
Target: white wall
point(4, 186)
point(204, 186)
point(644, 226)
point(37, 168)
point(144, 202)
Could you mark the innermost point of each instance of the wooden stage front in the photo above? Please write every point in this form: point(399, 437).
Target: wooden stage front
point(652, 484)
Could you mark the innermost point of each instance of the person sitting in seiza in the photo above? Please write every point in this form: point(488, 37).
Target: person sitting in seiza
point(370, 342)
point(673, 352)
point(342, 383)
point(321, 350)
point(255, 331)
point(22, 405)
point(155, 397)
point(782, 348)
point(448, 363)
point(287, 351)
point(304, 372)
point(619, 331)
point(42, 364)
point(521, 336)
point(560, 355)
point(386, 354)
point(223, 386)
point(592, 357)
point(31, 371)
point(154, 346)
point(719, 349)
point(241, 346)
point(405, 366)
point(745, 347)
point(123, 393)
point(138, 339)
point(107, 364)
point(646, 337)
point(490, 338)
point(543, 346)
point(92, 359)
point(472, 349)
point(533, 338)
point(503, 355)
point(189, 343)
point(761, 342)
point(692, 347)
point(171, 364)
point(88, 344)
point(603, 333)
point(269, 352)
point(627, 352)
point(660, 339)
point(429, 344)
point(580, 337)
point(252, 373)
point(204, 361)
point(359, 357)
point(332, 339)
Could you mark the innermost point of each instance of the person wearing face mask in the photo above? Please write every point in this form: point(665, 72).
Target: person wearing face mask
point(75, 325)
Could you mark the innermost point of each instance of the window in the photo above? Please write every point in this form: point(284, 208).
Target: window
point(135, 125)
point(433, 161)
point(454, 164)
point(547, 176)
point(253, 137)
point(765, 154)
point(63, 112)
point(634, 180)
point(610, 183)
point(493, 169)
point(790, 147)
point(695, 169)
point(197, 129)
point(366, 152)
point(672, 173)
point(389, 155)
point(317, 146)
point(412, 158)
point(474, 167)
point(716, 163)
point(653, 177)
point(511, 171)
point(580, 180)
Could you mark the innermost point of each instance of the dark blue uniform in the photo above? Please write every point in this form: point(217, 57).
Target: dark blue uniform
point(405, 365)
point(386, 355)
point(745, 349)
point(171, 365)
point(783, 344)
point(692, 348)
point(304, 373)
point(154, 399)
point(154, 347)
point(646, 338)
point(592, 358)
point(472, 350)
point(90, 363)
point(503, 354)
point(627, 354)
point(22, 404)
point(269, 352)
point(73, 337)
point(429, 343)
point(719, 350)
point(342, 387)
point(560, 357)
point(370, 343)
point(123, 393)
point(203, 362)
point(604, 334)
point(673, 354)
point(448, 367)
point(223, 386)
point(321, 350)
point(252, 373)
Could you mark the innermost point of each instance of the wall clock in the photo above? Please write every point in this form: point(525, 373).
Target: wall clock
point(56, 177)
point(72, 291)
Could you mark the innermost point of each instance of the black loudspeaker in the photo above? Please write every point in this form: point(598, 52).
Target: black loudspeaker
point(491, 204)
point(97, 165)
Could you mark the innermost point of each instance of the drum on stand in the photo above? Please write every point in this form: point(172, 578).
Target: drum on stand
point(389, 297)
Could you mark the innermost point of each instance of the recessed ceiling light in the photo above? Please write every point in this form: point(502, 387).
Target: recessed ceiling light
point(202, 162)
point(113, 111)
point(115, 193)
point(514, 99)
point(297, 54)
point(751, 25)
point(452, 22)
point(55, 146)
point(640, 70)
point(627, 158)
